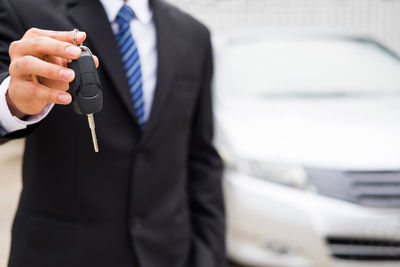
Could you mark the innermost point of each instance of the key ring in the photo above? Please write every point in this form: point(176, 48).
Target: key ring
point(75, 32)
point(84, 48)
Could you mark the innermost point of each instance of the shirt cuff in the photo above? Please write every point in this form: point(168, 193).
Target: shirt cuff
point(10, 123)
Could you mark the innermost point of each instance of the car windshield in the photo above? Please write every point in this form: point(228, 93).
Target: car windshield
point(310, 67)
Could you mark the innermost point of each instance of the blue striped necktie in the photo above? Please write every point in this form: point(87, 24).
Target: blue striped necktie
point(131, 61)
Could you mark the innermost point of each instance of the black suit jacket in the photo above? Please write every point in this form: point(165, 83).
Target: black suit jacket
point(153, 197)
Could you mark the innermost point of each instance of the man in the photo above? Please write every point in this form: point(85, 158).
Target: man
point(152, 196)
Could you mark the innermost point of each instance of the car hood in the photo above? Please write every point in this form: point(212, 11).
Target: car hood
point(358, 133)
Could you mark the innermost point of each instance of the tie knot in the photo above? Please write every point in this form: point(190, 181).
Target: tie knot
point(125, 15)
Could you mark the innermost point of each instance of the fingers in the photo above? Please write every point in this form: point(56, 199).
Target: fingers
point(40, 46)
point(30, 98)
point(38, 70)
point(63, 86)
point(64, 62)
point(30, 65)
point(60, 85)
point(63, 36)
point(47, 95)
point(54, 60)
point(96, 61)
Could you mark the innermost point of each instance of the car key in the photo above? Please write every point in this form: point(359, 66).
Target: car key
point(87, 96)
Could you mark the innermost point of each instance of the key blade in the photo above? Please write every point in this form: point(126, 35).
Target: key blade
point(94, 138)
point(93, 132)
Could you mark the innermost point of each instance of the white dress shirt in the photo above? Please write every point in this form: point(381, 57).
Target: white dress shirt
point(144, 33)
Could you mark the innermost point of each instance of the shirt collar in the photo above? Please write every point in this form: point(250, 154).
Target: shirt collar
point(140, 7)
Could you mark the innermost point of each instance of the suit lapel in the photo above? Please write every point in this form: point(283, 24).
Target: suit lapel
point(90, 16)
point(166, 64)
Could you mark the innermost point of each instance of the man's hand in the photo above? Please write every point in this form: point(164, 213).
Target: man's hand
point(38, 70)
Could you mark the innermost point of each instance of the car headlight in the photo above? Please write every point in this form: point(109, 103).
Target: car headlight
point(285, 174)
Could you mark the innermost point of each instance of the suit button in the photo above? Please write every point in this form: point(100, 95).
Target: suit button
point(141, 159)
point(137, 223)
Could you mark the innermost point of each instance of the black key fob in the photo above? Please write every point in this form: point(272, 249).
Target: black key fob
point(87, 96)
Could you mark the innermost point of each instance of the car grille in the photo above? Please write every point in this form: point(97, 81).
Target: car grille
point(364, 249)
point(372, 188)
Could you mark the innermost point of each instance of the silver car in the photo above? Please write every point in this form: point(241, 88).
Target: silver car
point(308, 124)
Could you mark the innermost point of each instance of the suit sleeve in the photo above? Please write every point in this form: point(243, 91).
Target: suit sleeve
point(10, 30)
point(204, 186)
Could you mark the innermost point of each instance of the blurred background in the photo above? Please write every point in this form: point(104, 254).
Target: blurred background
point(307, 107)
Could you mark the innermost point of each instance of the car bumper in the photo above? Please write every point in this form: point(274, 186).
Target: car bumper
point(274, 225)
